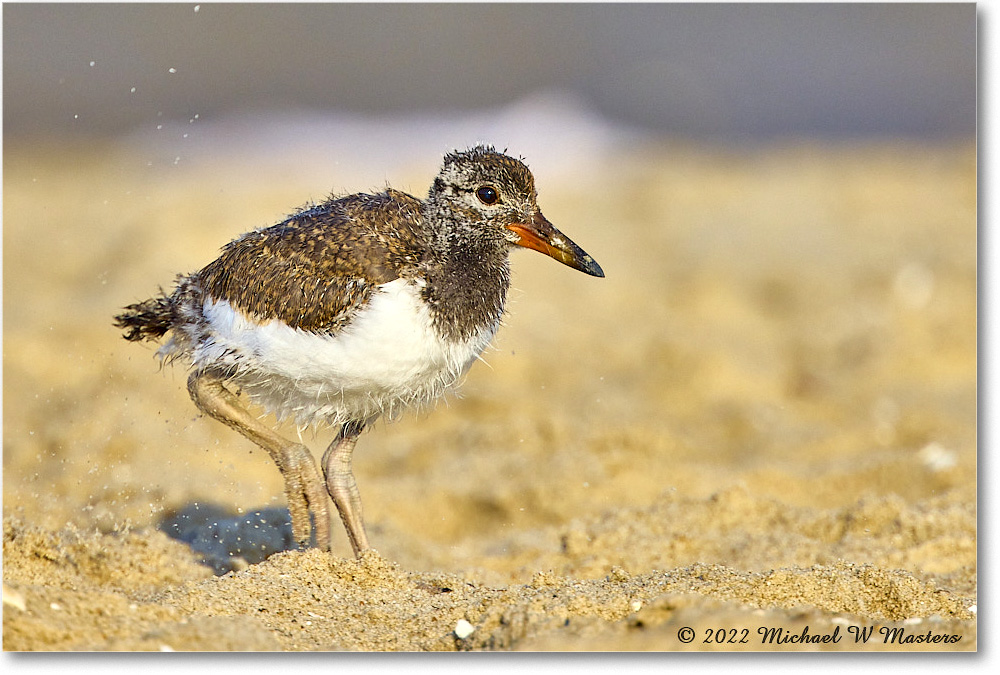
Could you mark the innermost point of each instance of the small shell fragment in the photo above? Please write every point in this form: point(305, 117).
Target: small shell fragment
point(463, 629)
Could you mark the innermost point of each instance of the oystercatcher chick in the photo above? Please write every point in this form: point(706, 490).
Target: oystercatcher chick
point(350, 310)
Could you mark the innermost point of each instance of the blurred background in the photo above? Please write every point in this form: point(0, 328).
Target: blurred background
point(719, 72)
point(724, 72)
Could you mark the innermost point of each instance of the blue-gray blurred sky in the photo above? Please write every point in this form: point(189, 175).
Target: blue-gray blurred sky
point(718, 71)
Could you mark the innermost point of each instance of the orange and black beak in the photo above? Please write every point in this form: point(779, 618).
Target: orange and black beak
point(541, 235)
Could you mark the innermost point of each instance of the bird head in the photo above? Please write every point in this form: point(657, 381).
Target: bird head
point(489, 195)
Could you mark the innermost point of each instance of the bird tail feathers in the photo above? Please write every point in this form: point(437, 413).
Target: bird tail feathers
point(147, 320)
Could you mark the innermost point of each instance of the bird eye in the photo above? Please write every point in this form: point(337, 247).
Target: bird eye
point(487, 195)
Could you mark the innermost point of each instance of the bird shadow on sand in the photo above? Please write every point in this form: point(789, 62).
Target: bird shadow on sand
point(228, 541)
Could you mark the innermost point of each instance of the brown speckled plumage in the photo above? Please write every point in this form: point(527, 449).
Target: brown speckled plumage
point(318, 267)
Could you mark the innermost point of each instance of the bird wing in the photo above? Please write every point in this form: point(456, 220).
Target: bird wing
point(318, 267)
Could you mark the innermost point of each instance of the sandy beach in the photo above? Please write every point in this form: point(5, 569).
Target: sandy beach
point(757, 432)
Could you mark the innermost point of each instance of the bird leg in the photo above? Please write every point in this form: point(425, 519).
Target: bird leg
point(343, 488)
point(303, 487)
